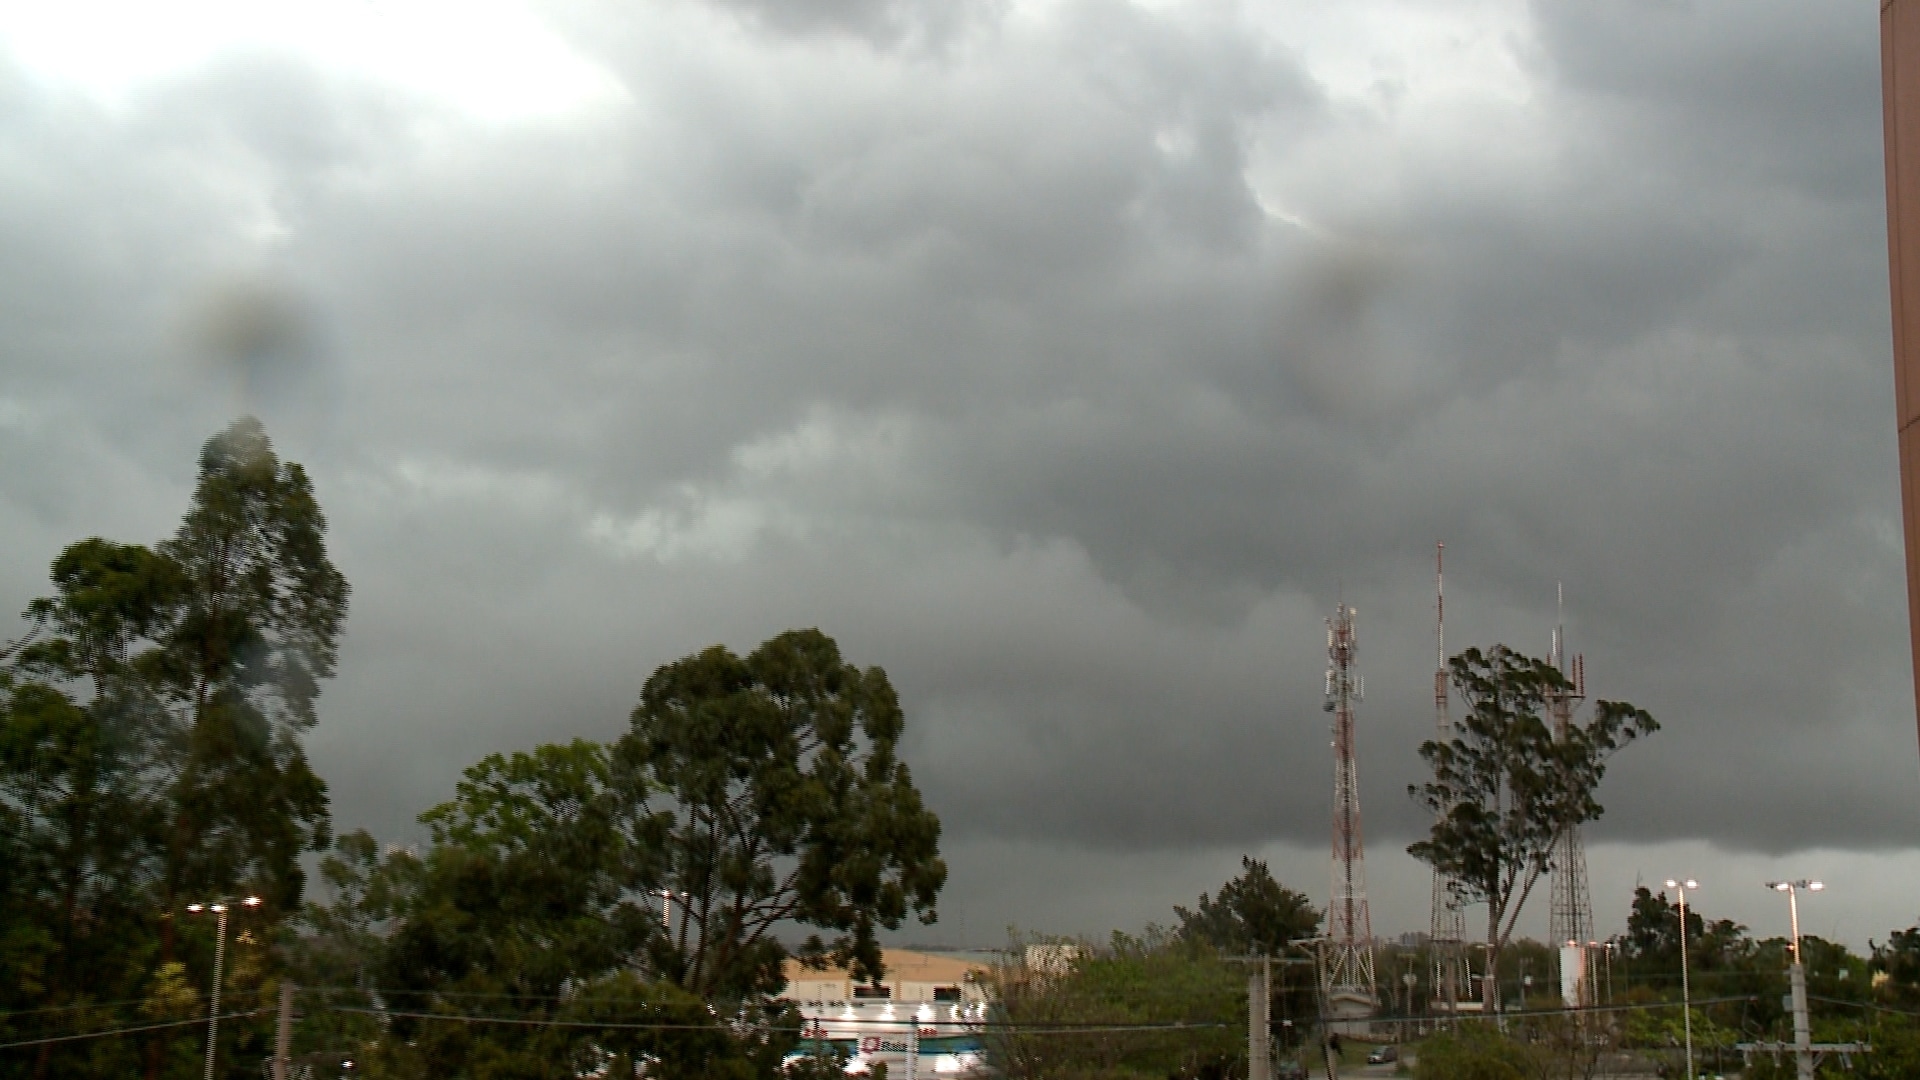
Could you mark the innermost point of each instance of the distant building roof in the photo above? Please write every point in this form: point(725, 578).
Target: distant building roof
point(903, 966)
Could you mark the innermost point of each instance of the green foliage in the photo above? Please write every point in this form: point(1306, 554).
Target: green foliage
point(342, 939)
point(703, 1045)
point(1899, 961)
point(1505, 787)
point(770, 787)
point(1896, 1050)
point(763, 794)
point(526, 895)
point(150, 754)
point(255, 633)
point(1475, 1052)
point(1155, 979)
point(1254, 915)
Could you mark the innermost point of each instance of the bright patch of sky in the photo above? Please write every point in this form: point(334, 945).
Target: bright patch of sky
point(494, 59)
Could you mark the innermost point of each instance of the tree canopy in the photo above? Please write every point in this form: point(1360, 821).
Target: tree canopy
point(752, 800)
point(1506, 786)
point(151, 727)
point(770, 789)
point(1252, 914)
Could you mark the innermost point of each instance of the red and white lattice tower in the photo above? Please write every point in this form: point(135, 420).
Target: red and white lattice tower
point(1348, 972)
point(1570, 923)
point(1448, 931)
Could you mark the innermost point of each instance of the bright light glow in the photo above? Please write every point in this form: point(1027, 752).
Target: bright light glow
point(1815, 886)
point(218, 909)
point(196, 908)
point(493, 58)
point(252, 901)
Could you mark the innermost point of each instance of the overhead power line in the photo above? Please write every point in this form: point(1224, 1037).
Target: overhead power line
point(126, 1030)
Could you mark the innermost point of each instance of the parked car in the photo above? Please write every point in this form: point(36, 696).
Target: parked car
point(1383, 1055)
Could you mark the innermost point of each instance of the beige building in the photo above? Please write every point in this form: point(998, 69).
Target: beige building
point(910, 976)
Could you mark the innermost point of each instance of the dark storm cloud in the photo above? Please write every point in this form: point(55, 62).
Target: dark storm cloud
point(1066, 360)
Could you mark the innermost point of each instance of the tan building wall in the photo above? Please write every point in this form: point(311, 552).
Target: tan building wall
point(911, 976)
point(1900, 96)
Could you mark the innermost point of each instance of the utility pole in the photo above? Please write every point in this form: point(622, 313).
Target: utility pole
point(1802, 1025)
point(1806, 1052)
point(1260, 1009)
point(283, 1033)
point(1259, 1021)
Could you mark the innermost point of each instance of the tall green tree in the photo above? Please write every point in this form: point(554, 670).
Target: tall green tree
point(1253, 913)
point(770, 787)
point(1505, 788)
point(150, 747)
point(257, 630)
point(527, 893)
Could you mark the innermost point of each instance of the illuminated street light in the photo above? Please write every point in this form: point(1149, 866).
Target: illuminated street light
point(1792, 888)
point(1797, 973)
point(219, 909)
point(1686, 991)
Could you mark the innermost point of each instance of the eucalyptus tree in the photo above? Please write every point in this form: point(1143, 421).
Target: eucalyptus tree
point(771, 790)
point(1506, 786)
point(256, 632)
point(151, 726)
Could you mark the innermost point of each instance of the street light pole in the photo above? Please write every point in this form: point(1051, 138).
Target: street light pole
point(1686, 990)
point(219, 960)
point(1797, 974)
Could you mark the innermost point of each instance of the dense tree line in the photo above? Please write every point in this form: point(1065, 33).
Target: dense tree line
point(152, 724)
point(1738, 984)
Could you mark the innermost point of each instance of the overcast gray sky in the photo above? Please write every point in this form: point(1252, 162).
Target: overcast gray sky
point(1068, 359)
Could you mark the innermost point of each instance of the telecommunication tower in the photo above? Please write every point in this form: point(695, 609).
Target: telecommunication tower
point(1571, 920)
point(1348, 973)
point(1447, 933)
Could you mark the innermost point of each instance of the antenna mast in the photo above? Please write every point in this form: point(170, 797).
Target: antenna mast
point(1448, 931)
point(1571, 922)
point(1348, 979)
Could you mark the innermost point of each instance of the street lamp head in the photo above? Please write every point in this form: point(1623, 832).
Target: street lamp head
point(196, 908)
point(252, 901)
point(218, 909)
point(1816, 886)
point(1687, 884)
point(1780, 886)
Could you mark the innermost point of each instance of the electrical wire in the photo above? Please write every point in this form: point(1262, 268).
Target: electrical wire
point(994, 1026)
point(127, 1030)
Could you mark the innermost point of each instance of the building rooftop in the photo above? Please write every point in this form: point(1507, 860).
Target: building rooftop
point(903, 966)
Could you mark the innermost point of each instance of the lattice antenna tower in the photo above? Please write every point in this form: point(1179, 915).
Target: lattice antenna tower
point(1571, 920)
point(1349, 970)
point(1448, 931)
